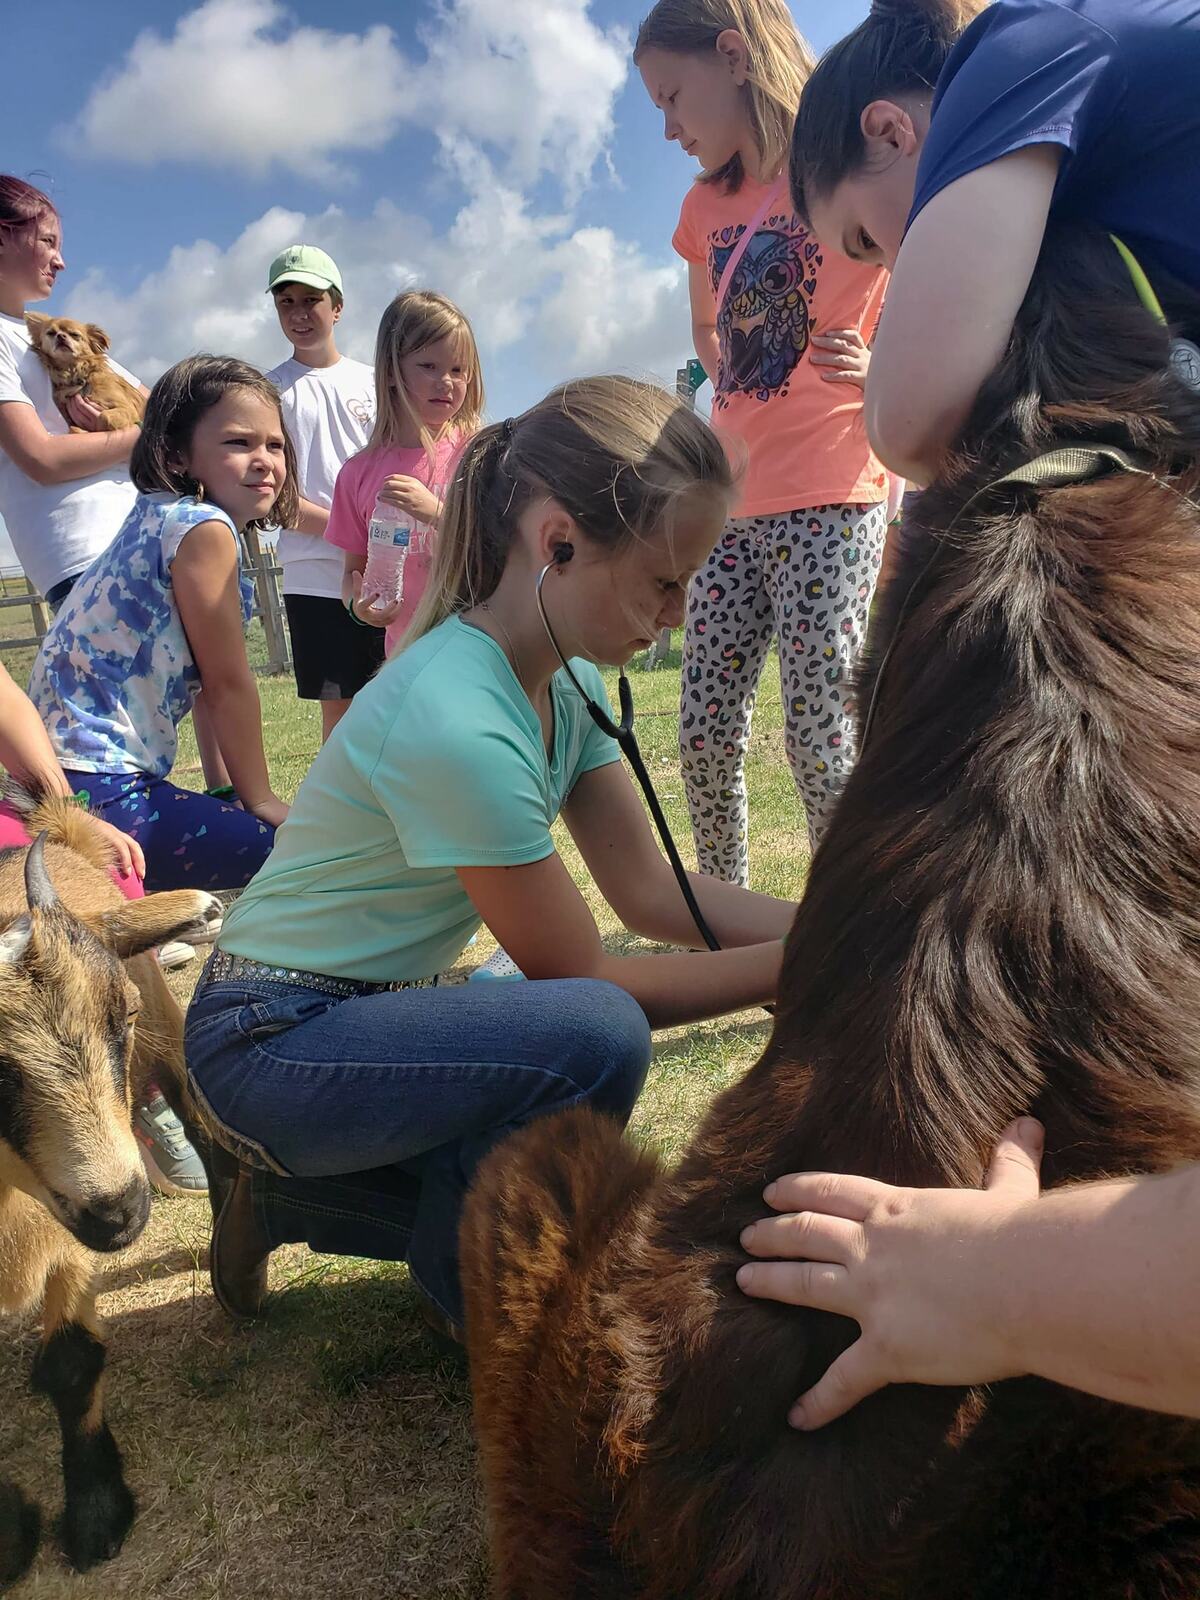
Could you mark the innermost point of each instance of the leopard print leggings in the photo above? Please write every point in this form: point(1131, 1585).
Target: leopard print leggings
point(808, 576)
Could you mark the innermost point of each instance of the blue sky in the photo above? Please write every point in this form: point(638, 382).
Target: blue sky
point(502, 151)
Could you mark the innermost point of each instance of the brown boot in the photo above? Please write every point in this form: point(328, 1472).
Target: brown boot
point(447, 1336)
point(240, 1250)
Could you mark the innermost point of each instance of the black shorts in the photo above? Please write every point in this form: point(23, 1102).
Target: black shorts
point(332, 655)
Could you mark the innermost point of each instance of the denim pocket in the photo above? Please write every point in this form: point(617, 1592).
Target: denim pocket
point(262, 1019)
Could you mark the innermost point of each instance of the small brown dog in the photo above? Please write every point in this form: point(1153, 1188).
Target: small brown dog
point(74, 354)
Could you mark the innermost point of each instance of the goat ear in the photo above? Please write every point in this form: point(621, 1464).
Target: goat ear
point(190, 915)
point(97, 338)
point(14, 941)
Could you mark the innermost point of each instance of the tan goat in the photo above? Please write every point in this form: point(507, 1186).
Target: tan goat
point(85, 1019)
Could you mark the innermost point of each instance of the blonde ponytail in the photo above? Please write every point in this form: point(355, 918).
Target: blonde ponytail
point(615, 453)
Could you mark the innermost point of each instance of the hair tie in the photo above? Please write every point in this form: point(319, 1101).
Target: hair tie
point(507, 428)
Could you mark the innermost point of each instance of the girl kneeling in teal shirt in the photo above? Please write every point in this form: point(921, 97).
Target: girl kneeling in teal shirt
point(318, 1038)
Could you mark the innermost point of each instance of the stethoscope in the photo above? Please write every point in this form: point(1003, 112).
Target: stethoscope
point(626, 739)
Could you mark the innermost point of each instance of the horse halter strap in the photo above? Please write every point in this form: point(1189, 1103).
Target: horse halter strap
point(1070, 463)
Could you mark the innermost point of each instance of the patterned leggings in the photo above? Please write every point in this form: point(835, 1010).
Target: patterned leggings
point(808, 576)
point(190, 840)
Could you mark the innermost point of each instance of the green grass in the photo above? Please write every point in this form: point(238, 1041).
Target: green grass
point(325, 1453)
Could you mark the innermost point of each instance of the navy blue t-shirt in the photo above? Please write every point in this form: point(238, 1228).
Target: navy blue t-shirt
point(1116, 83)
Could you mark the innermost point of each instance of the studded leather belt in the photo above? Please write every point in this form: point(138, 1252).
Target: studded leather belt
point(222, 967)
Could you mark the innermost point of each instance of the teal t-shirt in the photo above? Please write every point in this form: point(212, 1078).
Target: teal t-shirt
point(439, 763)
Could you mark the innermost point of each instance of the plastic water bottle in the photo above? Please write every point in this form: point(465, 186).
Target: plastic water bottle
point(388, 538)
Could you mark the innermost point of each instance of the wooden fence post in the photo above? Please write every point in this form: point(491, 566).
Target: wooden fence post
point(270, 607)
point(40, 610)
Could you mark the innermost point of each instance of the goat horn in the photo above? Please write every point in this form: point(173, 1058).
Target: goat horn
point(39, 891)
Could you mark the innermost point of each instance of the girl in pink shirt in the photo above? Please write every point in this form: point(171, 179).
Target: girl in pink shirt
point(428, 400)
point(782, 327)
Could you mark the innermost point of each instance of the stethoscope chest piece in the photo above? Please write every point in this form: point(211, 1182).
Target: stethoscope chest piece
point(1185, 363)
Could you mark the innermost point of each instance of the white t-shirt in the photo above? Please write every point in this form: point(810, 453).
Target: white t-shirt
point(57, 529)
point(329, 412)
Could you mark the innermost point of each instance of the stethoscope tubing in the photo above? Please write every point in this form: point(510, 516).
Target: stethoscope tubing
point(626, 740)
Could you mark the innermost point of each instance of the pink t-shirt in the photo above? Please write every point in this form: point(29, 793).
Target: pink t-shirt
point(354, 495)
point(802, 441)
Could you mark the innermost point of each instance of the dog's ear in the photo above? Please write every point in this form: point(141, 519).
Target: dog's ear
point(97, 338)
point(36, 321)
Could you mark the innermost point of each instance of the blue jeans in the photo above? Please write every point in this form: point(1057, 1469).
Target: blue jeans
point(391, 1100)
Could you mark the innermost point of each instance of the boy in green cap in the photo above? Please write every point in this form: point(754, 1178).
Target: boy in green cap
point(328, 405)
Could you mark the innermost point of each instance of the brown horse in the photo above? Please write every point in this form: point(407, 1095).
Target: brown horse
point(1004, 916)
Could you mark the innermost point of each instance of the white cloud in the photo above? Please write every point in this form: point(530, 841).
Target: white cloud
point(534, 78)
point(514, 91)
point(239, 85)
point(547, 298)
point(233, 87)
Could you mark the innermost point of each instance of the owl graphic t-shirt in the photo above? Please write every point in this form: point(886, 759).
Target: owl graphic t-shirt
point(802, 441)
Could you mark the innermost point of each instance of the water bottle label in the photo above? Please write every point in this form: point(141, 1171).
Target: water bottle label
point(386, 533)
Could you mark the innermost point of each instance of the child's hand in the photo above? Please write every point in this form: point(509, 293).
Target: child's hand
point(128, 851)
point(843, 354)
point(272, 811)
point(367, 611)
point(910, 1266)
point(411, 496)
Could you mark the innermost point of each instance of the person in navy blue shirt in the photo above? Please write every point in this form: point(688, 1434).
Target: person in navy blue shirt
point(941, 135)
point(939, 138)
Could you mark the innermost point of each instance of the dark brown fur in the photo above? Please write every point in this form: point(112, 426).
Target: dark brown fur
point(1004, 917)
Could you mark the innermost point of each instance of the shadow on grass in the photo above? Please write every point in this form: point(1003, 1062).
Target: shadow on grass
point(168, 1264)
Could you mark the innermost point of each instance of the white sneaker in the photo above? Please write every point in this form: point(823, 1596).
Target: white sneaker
point(175, 954)
point(498, 966)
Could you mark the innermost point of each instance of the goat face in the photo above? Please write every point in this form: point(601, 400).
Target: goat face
point(67, 1017)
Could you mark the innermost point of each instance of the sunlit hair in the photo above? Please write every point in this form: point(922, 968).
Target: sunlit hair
point(22, 206)
point(177, 402)
point(414, 319)
point(617, 454)
point(898, 52)
point(779, 60)
point(336, 299)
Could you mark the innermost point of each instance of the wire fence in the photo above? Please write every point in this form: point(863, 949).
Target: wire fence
point(16, 592)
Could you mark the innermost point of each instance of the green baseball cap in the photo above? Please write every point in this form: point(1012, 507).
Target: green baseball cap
point(304, 263)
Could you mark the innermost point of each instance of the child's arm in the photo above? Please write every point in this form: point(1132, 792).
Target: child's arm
point(354, 563)
point(704, 319)
point(204, 577)
point(58, 458)
point(27, 753)
point(25, 748)
point(312, 518)
point(212, 762)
